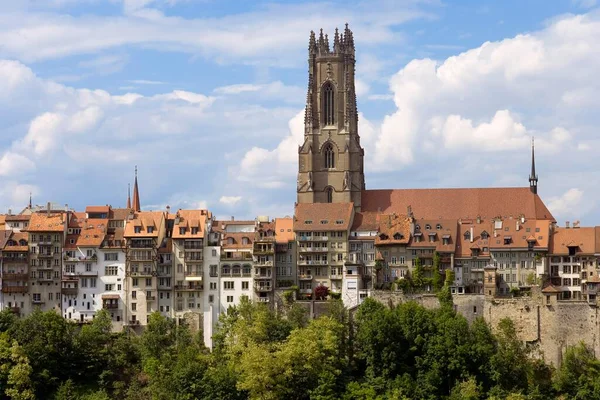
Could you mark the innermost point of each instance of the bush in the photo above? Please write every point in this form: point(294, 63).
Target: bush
point(321, 292)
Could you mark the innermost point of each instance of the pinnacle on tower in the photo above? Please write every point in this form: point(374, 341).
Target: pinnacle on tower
point(136, 193)
point(336, 42)
point(533, 178)
point(129, 195)
point(312, 43)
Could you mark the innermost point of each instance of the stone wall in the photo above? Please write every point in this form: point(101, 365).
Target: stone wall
point(552, 327)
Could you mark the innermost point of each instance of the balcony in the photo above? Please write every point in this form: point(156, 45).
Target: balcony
point(263, 299)
point(150, 298)
point(313, 262)
point(7, 260)
point(140, 257)
point(336, 277)
point(141, 244)
point(87, 273)
point(164, 286)
point(110, 306)
point(193, 258)
point(15, 289)
point(189, 287)
point(69, 291)
point(262, 286)
point(263, 263)
point(44, 279)
point(143, 274)
point(263, 276)
point(305, 291)
point(236, 256)
point(305, 277)
point(46, 255)
point(38, 301)
point(193, 246)
point(15, 276)
point(263, 249)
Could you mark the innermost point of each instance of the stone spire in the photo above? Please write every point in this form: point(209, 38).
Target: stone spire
point(336, 42)
point(129, 195)
point(533, 178)
point(30, 203)
point(136, 194)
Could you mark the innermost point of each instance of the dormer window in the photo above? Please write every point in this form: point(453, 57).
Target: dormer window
point(194, 231)
point(417, 227)
point(308, 222)
point(427, 227)
point(507, 240)
point(484, 235)
point(398, 236)
point(150, 229)
point(245, 240)
point(432, 237)
point(417, 237)
point(324, 222)
point(383, 236)
point(182, 231)
point(467, 235)
point(446, 239)
point(339, 222)
point(438, 226)
point(137, 229)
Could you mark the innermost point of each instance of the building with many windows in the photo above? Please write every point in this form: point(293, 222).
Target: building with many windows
point(14, 267)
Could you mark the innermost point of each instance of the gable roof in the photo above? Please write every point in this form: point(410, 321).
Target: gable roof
point(44, 222)
point(323, 216)
point(389, 226)
point(145, 219)
point(583, 239)
point(284, 230)
point(457, 203)
point(189, 219)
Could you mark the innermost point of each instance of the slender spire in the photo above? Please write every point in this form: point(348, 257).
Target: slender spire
point(336, 42)
point(30, 204)
point(533, 178)
point(129, 195)
point(136, 193)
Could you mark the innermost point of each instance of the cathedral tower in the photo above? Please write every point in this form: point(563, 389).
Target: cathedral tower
point(331, 158)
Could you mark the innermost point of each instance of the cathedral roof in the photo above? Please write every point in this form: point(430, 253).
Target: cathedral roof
point(457, 203)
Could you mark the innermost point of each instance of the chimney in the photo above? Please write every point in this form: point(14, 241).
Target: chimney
point(478, 219)
point(232, 218)
point(472, 234)
point(66, 207)
point(522, 219)
point(9, 211)
point(576, 224)
point(518, 226)
point(48, 208)
point(567, 224)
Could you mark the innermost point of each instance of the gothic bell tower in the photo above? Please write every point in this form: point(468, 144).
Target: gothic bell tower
point(330, 167)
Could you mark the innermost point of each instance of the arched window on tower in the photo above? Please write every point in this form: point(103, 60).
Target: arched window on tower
point(329, 156)
point(328, 104)
point(329, 192)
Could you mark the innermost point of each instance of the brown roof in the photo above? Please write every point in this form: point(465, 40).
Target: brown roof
point(238, 239)
point(284, 230)
point(582, 239)
point(44, 222)
point(97, 209)
point(550, 289)
point(119, 213)
point(189, 219)
point(16, 237)
point(464, 246)
point(76, 219)
point(457, 203)
point(391, 225)
point(145, 219)
point(93, 232)
point(431, 236)
point(4, 236)
point(323, 217)
point(365, 221)
point(16, 218)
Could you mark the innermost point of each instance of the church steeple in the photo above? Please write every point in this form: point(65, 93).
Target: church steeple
point(129, 195)
point(533, 178)
point(331, 157)
point(136, 194)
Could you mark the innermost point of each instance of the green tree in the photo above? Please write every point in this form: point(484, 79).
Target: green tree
point(579, 374)
point(437, 276)
point(417, 274)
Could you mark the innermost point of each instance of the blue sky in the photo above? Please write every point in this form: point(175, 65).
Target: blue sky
point(206, 97)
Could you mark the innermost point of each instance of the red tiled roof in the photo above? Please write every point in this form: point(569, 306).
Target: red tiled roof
point(97, 209)
point(284, 230)
point(583, 239)
point(323, 217)
point(457, 203)
point(44, 222)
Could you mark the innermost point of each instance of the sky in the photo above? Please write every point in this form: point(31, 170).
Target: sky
point(206, 97)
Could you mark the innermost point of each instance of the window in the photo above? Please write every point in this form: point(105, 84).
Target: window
point(110, 270)
point(182, 231)
point(468, 235)
point(88, 267)
point(213, 286)
point(133, 294)
point(134, 282)
point(245, 285)
point(328, 104)
point(111, 257)
point(329, 192)
point(133, 306)
point(211, 298)
point(148, 281)
point(230, 299)
point(89, 253)
point(228, 285)
point(214, 252)
point(194, 230)
point(329, 156)
point(137, 229)
point(150, 229)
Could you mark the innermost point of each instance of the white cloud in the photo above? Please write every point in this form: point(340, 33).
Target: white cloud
point(15, 164)
point(237, 89)
point(145, 82)
point(275, 90)
point(230, 200)
point(273, 35)
point(568, 204)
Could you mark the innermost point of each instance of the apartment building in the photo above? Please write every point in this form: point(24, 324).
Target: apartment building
point(188, 242)
point(144, 234)
point(573, 264)
point(236, 263)
point(285, 257)
point(263, 257)
point(472, 255)
point(363, 254)
point(212, 259)
point(518, 249)
point(80, 287)
point(46, 236)
point(111, 263)
point(393, 234)
point(14, 267)
point(16, 223)
point(322, 232)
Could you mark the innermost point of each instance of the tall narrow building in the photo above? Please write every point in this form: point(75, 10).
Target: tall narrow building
point(331, 157)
